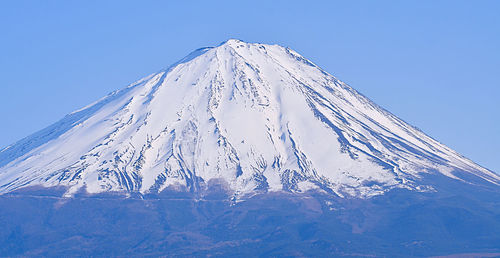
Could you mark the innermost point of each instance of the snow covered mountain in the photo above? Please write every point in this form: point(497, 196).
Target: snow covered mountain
point(255, 117)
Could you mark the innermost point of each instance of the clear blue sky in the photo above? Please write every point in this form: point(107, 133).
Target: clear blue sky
point(436, 64)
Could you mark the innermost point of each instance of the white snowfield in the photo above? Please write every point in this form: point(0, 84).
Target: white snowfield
point(259, 117)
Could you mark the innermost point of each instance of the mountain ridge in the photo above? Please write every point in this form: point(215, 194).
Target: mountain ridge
point(305, 130)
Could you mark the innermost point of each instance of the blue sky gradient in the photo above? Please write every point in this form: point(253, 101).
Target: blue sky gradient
point(435, 64)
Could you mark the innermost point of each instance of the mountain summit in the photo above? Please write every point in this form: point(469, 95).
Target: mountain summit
point(252, 117)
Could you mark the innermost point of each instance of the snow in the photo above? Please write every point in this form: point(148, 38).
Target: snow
point(257, 116)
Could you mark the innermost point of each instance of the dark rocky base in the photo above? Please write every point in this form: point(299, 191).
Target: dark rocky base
point(401, 223)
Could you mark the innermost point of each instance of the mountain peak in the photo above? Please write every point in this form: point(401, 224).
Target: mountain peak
point(256, 117)
point(232, 41)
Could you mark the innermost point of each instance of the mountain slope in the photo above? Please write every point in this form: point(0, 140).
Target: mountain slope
point(253, 117)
